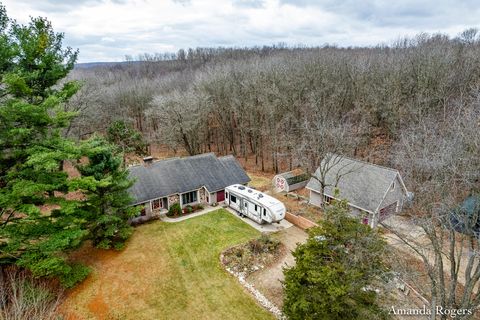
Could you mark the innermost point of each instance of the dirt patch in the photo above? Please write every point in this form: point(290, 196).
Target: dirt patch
point(98, 306)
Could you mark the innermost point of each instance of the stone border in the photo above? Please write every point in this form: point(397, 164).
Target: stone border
point(264, 302)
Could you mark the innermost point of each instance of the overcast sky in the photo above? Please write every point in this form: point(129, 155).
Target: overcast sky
point(107, 30)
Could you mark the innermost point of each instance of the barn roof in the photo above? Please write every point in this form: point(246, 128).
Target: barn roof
point(362, 184)
point(294, 176)
point(179, 175)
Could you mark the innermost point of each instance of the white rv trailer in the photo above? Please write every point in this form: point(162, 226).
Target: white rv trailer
point(254, 204)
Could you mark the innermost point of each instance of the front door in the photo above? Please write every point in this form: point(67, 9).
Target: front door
point(220, 196)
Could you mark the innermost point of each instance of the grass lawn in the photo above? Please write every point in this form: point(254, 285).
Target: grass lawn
point(259, 182)
point(167, 271)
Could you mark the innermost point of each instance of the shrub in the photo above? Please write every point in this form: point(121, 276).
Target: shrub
point(76, 274)
point(264, 243)
point(188, 209)
point(175, 210)
point(23, 297)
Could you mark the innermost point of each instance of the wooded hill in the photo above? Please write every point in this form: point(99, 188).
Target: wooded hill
point(412, 105)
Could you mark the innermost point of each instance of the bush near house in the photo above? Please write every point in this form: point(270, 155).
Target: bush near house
point(174, 210)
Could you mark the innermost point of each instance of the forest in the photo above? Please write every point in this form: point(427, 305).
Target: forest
point(413, 105)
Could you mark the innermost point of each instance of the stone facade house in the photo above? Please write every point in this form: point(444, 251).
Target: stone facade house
point(199, 179)
point(373, 192)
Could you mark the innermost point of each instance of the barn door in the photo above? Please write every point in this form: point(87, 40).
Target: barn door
point(220, 196)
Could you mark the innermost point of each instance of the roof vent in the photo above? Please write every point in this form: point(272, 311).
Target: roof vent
point(250, 190)
point(241, 187)
point(260, 195)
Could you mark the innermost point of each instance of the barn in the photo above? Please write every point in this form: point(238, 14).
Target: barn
point(373, 192)
point(290, 181)
point(199, 179)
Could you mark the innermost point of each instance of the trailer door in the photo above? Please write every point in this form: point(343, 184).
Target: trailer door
point(244, 206)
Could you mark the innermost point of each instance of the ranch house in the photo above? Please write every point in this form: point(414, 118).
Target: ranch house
point(373, 192)
point(199, 179)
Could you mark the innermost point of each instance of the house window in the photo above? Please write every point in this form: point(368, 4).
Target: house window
point(156, 204)
point(327, 199)
point(233, 198)
point(189, 197)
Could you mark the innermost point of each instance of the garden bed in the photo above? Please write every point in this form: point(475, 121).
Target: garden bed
point(254, 255)
point(175, 210)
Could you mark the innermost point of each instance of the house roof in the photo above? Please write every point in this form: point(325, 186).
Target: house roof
point(362, 184)
point(180, 175)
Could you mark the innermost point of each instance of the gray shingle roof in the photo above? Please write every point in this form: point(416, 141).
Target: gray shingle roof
point(179, 175)
point(364, 185)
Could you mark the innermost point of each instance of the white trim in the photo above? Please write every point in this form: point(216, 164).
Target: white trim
point(386, 192)
point(350, 204)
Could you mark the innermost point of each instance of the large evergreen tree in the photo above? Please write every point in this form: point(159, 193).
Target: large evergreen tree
point(126, 138)
point(108, 202)
point(335, 270)
point(39, 223)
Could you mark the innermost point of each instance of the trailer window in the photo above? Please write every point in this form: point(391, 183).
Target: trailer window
point(246, 205)
point(256, 208)
point(264, 212)
point(233, 199)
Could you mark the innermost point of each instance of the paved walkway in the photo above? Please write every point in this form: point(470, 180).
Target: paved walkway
point(269, 227)
point(208, 209)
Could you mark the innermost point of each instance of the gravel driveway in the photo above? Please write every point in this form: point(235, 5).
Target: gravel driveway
point(268, 281)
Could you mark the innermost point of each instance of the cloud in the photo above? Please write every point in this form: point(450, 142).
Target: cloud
point(107, 30)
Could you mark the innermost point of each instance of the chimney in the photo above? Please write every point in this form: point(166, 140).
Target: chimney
point(147, 161)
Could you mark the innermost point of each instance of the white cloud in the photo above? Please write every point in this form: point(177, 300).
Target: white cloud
point(107, 30)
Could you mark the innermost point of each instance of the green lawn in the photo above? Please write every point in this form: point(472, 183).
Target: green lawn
point(169, 271)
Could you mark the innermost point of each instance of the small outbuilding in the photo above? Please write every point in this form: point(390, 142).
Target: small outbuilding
point(290, 181)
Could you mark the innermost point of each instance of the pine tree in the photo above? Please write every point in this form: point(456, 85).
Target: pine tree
point(108, 202)
point(126, 138)
point(335, 270)
point(39, 223)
